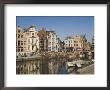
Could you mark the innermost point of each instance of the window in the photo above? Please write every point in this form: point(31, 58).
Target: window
point(27, 33)
point(28, 40)
point(24, 42)
point(21, 36)
point(18, 43)
point(18, 49)
point(32, 47)
point(49, 43)
point(74, 41)
point(18, 35)
point(49, 36)
point(32, 33)
point(76, 44)
point(28, 47)
point(56, 46)
point(18, 31)
point(22, 49)
point(21, 42)
point(49, 48)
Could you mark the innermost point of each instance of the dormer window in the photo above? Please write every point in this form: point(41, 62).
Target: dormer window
point(32, 34)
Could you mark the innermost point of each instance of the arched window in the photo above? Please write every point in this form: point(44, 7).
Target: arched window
point(21, 36)
point(18, 35)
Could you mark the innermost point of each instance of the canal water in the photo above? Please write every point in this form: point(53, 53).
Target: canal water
point(62, 69)
point(43, 65)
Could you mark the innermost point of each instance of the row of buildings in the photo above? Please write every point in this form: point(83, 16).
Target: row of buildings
point(78, 43)
point(31, 40)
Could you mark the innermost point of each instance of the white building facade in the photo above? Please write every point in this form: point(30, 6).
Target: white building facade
point(32, 39)
point(53, 42)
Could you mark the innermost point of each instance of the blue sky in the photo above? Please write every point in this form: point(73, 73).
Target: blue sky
point(62, 25)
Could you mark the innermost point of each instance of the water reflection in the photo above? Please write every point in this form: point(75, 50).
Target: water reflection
point(50, 65)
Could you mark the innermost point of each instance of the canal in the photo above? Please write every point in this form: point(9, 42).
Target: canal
point(44, 65)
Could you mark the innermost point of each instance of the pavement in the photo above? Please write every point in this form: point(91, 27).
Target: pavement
point(87, 70)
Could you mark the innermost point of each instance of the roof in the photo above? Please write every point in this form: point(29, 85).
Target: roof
point(68, 37)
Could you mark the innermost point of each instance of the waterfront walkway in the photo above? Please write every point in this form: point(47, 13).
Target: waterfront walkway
point(87, 70)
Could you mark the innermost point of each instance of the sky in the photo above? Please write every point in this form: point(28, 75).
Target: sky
point(62, 25)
